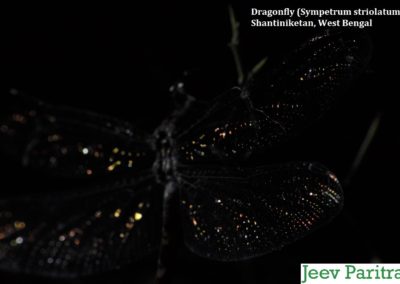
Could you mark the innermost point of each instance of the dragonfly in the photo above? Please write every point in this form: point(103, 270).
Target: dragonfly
point(228, 210)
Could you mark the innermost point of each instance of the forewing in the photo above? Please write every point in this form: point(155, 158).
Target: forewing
point(276, 104)
point(65, 142)
point(308, 81)
point(105, 221)
point(222, 130)
point(235, 214)
point(78, 234)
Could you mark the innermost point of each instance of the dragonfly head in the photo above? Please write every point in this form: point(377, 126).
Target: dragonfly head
point(180, 97)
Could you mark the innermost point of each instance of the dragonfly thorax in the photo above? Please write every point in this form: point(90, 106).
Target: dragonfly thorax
point(164, 165)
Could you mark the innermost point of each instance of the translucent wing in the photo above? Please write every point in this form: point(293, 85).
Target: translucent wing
point(87, 232)
point(225, 130)
point(70, 143)
point(276, 104)
point(307, 82)
point(90, 228)
point(234, 214)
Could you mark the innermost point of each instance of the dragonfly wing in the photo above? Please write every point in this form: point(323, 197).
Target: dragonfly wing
point(69, 235)
point(311, 78)
point(235, 214)
point(276, 104)
point(93, 218)
point(65, 142)
point(219, 131)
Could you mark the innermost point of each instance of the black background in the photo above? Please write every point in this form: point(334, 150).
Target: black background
point(121, 60)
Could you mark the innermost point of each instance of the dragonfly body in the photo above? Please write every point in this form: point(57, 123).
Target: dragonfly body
point(165, 163)
point(164, 143)
point(228, 211)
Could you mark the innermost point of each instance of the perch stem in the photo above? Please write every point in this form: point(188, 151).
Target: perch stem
point(234, 44)
point(369, 137)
